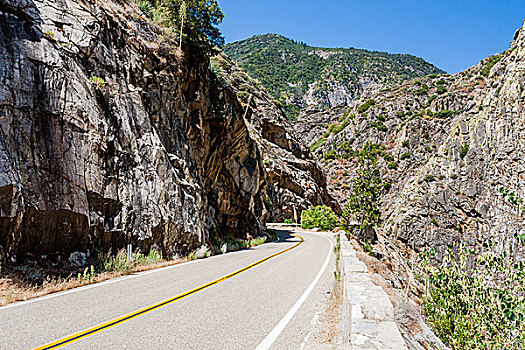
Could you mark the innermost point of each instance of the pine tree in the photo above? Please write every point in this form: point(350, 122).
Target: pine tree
point(366, 192)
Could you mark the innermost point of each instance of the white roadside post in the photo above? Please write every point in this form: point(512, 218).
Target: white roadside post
point(129, 250)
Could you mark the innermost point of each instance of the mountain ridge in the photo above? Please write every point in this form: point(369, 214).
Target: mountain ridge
point(300, 76)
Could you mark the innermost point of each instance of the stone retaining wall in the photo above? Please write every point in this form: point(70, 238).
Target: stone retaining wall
point(368, 317)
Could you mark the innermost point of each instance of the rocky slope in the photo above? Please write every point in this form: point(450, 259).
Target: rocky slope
point(301, 76)
point(452, 152)
point(294, 179)
point(110, 136)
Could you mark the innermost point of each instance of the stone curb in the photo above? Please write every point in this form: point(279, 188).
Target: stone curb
point(368, 315)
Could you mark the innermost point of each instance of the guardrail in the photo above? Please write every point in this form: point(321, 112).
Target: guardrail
point(280, 224)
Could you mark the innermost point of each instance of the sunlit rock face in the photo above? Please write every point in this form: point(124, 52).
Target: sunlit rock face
point(453, 155)
point(107, 137)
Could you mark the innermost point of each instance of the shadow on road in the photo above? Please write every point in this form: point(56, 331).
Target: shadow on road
point(285, 236)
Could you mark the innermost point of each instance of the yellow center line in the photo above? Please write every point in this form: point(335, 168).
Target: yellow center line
point(104, 326)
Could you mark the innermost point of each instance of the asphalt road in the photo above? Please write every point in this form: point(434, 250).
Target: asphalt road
point(236, 313)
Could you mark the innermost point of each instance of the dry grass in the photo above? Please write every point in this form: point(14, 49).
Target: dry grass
point(13, 288)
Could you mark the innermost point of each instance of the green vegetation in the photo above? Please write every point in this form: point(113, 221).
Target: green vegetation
point(475, 299)
point(98, 82)
point(197, 20)
point(290, 110)
point(379, 125)
point(314, 146)
point(405, 156)
point(320, 216)
point(392, 165)
point(329, 155)
point(513, 198)
point(488, 63)
point(429, 178)
point(337, 128)
point(423, 90)
point(267, 201)
point(364, 198)
point(463, 150)
point(221, 243)
point(366, 106)
point(406, 143)
point(287, 68)
point(120, 262)
point(49, 35)
point(88, 275)
point(441, 89)
point(443, 114)
point(345, 151)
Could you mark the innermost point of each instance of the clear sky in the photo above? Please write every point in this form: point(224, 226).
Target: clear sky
point(452, 34)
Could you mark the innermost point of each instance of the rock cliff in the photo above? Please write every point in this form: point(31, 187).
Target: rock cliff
point(109, 135)
point(452, 151)
point(294, 179)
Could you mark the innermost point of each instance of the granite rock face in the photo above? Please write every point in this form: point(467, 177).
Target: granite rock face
point(108, 137)
point(453, 154)
point(295, 181)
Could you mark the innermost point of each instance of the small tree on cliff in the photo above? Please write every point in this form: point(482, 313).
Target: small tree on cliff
point(198, 21)
point(182, 15)
point(364, 199)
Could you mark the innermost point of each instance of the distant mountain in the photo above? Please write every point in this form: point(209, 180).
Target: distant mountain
point(300, 76)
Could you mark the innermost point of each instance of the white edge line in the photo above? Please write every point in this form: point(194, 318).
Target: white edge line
point(274, 334)
point(110, 281)
point(313, 323)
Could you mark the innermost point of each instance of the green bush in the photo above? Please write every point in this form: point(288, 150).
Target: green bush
point(363, 203)
point(423, 90)
point(320, 216)
point(314, 146)
point(392, 165)
point(405, 156)
point(489, 63)
point(441, 89)
point(463, 150)
point(443, 114)
point(120, 262)
point(98, 82)
point(365, 106)
point(329, 155)
point(379, 126)
point(475, 299)
point(202, 19)
point(388, 157)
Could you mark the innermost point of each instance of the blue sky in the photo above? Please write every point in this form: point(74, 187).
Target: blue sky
point(453, 35)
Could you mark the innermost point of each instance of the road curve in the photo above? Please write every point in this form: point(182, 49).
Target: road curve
point(235, 313)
